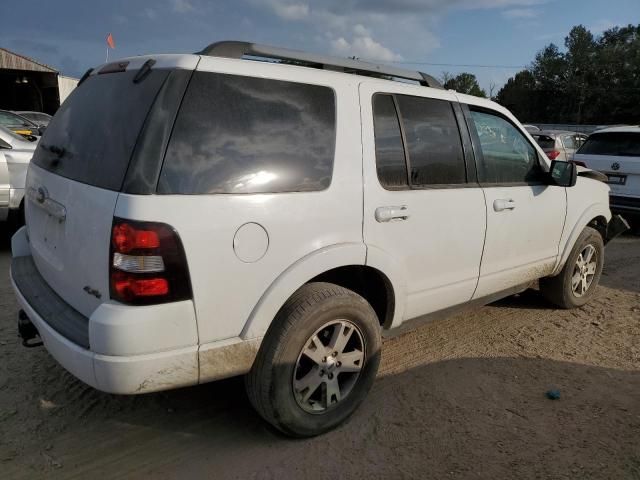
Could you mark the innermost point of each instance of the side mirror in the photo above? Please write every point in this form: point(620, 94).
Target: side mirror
point(563, 174)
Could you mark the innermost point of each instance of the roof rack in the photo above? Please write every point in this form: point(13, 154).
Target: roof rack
point(235, 49)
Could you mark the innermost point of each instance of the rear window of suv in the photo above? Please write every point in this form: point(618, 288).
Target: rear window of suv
point(237, 134)
point(619, 144)
point(545, 141)
point(92, 136)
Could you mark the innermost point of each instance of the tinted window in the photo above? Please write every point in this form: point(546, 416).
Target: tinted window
point(618, 144)
point(390, 161)
point(238, 134)
point(433, 141)
point(545, 141)
point(96, 128)
point(507, 157)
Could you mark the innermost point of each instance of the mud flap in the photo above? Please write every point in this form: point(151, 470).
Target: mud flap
point(615, 227)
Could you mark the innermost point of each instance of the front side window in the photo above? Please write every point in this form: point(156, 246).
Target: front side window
point(237, 134)
point(507, 156)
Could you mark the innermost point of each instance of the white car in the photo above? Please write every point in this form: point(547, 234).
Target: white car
point(559, 144)
point(616, 153)
point(15, 154)
point(196, 217)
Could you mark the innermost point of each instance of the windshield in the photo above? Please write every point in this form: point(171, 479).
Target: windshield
point(620, 144)
point(93, 134)
point(12, 120)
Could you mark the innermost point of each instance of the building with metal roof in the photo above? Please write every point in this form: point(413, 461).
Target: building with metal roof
point(26, 84)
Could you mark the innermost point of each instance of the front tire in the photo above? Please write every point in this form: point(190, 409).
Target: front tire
point(576, 283)
point(317, 362)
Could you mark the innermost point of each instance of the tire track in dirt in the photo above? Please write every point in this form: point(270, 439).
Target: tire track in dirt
point(460, 397)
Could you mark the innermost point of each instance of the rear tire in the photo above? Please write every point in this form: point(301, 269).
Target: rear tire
point(576, 283)
point(317, 362)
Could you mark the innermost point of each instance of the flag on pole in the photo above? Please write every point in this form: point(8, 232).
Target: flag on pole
point(110, 41)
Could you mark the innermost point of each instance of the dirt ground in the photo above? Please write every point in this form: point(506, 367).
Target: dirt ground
point(462, 397)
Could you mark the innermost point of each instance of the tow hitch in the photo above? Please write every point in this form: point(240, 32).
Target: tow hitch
point(615, 227)
point(28, 331)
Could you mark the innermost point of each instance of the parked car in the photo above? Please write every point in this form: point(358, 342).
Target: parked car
point(39, 118)
point(616, 153)
point(19, 124)
point(15, 154)
point(276, 219)
point(531, 128)
point(559, 145)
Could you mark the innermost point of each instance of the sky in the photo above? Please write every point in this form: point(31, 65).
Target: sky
point(503, 35)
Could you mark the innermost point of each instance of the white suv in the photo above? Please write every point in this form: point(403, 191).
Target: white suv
point(616, 152)
point(196, 217)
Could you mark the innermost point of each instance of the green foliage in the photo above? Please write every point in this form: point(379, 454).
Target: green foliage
point(463, 83)
point(595, 80)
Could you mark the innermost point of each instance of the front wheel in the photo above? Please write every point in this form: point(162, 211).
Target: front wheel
point(317, 361)
point(575, 285)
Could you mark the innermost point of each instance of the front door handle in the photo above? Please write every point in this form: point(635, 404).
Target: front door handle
point(388, 214)
point(503, 204)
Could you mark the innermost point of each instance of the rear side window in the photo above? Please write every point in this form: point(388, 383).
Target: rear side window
point(91, 137)
point(237, 134)
point(421, 133)
point(433, 141)
point(390, 161)
point(622, 144)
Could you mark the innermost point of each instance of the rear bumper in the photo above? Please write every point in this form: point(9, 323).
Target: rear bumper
point(119, 349)
point(122, 349)
point(123, 374)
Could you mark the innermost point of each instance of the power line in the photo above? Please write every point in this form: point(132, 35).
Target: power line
point(466, 65)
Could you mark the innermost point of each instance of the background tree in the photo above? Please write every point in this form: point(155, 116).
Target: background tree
point(594, 80)
point(463, 83)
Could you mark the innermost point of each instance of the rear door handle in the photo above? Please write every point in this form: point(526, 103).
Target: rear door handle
point(501, 204)
point(388, 214)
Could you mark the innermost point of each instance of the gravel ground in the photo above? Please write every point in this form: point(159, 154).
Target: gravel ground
point(462, 397)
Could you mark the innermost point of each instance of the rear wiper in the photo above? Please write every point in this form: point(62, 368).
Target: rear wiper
point(144, 70)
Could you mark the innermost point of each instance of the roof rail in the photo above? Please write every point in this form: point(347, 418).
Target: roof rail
point(235, 49)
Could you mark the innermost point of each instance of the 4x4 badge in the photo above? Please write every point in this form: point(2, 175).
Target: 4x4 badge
point(92, 291)
point(615, 166)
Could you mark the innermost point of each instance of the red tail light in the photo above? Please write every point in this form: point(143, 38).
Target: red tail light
point(553, 154)
point(127, 238)
point(148, 265)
